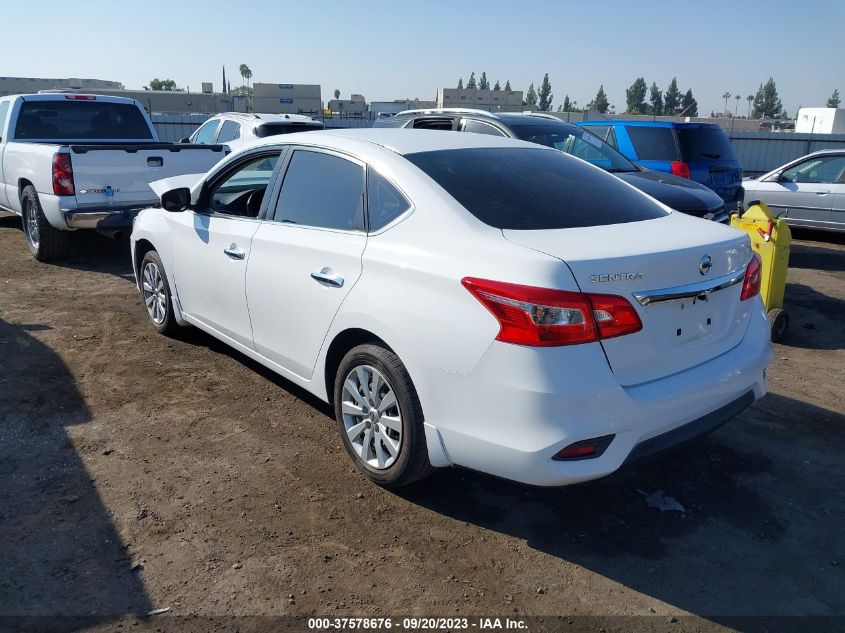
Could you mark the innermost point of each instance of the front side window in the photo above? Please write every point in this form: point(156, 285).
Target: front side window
point(533, 189)
point(241, 191)
point(821, 170)
point(205, 135)
point(322, 190)
point(653, 143)
point(384, 202)
point(229, 131)
point(577, 141)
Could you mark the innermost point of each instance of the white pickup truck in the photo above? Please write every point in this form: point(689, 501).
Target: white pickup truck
point(78, 161)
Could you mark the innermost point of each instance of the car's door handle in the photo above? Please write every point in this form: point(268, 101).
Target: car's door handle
point(234, 252)
point(325, 276)
point(822, 192)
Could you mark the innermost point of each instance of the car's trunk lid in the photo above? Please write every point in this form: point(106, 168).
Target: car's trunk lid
point(644, 262)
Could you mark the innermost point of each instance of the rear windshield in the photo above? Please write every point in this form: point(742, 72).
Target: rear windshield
point(272, 129)
point(81, 120)
point(653, 143)
point(533, 189)
point(705, 144)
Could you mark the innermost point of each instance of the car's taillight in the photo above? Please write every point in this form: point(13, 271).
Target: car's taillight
point(78, 97)
point(62, 175)
point(753, 278)
point(542, 317)
point(680, 168)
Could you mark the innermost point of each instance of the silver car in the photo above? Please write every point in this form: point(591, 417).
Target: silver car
point(808, 192)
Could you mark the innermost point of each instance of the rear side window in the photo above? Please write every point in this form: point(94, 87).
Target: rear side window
point(705, 144)
point(229, 131)
point(533, 189)
point(272, 129)
point(653, 143)
point(384, 202)
point(322, 190)
point(75, 119)
point(478, 127)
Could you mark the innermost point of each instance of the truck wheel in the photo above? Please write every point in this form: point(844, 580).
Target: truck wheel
point(156, 294)
point(380, 417)
point(45, 242)
point(779, 320)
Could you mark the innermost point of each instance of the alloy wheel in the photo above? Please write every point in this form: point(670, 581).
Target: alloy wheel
point(371, 417)
point(30, 222)
point(155, 297)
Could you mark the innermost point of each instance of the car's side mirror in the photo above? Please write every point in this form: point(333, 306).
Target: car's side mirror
point(187, 139)
point(176, 200)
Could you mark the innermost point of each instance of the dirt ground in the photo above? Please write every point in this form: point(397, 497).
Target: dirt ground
point(139, 472)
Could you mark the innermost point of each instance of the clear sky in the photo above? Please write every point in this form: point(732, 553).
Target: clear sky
point(408, 48)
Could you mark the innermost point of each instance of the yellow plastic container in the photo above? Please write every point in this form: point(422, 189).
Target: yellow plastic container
point(770, 238)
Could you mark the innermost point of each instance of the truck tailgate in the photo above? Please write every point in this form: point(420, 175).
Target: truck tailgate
point(120, 175)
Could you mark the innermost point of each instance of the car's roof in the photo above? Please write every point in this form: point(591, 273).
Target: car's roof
point(675, 124)
point(260, 117)
point(400, 141)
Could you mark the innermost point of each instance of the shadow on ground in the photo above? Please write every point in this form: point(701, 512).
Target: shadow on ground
point(90, 251)
point(60, 553)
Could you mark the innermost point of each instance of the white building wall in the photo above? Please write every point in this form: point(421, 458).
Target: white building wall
point(821, 120)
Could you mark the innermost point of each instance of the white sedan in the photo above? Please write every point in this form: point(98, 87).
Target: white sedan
point(464, 299)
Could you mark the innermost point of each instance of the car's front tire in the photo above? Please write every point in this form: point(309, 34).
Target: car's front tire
point(45, 242)
point(155, 291)
point(380, 418)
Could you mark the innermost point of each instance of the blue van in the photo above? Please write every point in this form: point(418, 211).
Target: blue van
point(699, 151)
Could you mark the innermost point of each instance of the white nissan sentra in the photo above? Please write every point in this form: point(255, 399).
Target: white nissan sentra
point(463, 299)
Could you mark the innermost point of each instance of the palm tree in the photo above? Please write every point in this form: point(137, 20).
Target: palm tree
point(736, 107)
point(726, 96)
point(246, 73)
point(750, 100)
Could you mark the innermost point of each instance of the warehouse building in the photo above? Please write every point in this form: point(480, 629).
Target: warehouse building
point(24, 85)
point(284, 99)
point(490, 100)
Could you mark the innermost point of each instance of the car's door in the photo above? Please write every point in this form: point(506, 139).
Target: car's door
point(4, 111)
point(804, 193)
point(306, 256)
point(229, 134)
point(837, 213)
point(212, 245)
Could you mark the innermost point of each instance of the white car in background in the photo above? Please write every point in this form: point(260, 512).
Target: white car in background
point(464, 299)
point(237, 130)
point(808, 192)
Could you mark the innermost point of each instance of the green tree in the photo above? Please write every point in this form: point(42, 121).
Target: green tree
point(834, 101)
point(497, 87)
point(240, 91)
point(508, 86)
point(461, 83)
point(162, 84)
point(635, 97)
point(545, 95)
point(483, 84)
point(336, 93)
point(656, 98)
point(600, 103)
point(531, 98)
point(767, 105)
point(672, 98)
point(246, 73)
point(567, 104)
point(471, 85)
point(689, 106)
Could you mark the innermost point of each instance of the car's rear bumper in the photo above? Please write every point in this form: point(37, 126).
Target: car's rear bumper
point(520, 406)
point(108, 220)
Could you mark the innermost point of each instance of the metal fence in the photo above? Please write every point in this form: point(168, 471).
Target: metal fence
point(759, 152)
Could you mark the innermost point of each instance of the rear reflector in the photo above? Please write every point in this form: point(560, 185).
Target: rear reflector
point(585, 449)
point(542, 317)
point(753, 278)
point(680, 169)
point(75, 97)
point(62, 175)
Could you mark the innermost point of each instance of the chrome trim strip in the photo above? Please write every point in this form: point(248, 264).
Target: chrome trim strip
point(702, 288)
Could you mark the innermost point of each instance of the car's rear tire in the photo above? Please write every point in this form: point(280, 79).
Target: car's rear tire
point(155, 292)
point(380, 418)
point(779, 320)
point(45, 242)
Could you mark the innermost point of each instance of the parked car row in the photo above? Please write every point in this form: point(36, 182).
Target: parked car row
point(511, 301)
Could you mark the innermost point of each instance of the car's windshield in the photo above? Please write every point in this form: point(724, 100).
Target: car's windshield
point(531, 189)
point(579, 143)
